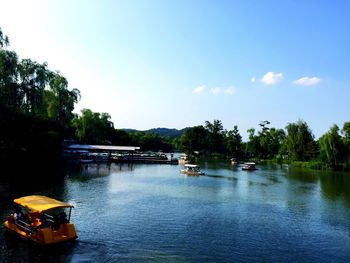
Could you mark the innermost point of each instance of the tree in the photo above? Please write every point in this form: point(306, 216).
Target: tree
point(216, 136)
point(233, 142)
point(120, 137)
point(93, 127)
point(10, 95)
point(346, 133)
point(252, 147)
point(194, 139)
point(149, 141)
point(299, 143)
point(266, 144)
point(332, 147)
point(61, 100)
point(4, 40)
point(29, 93)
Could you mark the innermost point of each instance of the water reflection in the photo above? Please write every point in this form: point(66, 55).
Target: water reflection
point(138, 213)
point(304, 175)
point(336, 185)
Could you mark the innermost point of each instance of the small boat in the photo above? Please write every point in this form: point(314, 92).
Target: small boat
point(183, 159)
point(42, 220)
point(249, 166)
point(191, 169)
point(233, 161)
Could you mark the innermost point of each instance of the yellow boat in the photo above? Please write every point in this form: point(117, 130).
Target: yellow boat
point(42, 220)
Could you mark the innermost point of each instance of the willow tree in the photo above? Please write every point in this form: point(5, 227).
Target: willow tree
point(60, 100)
point(332, 147)
point(346, 139)
point(35, 108)
point(10, 93)
point(93, 127)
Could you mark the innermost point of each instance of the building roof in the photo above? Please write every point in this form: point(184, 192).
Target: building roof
point(102, 147)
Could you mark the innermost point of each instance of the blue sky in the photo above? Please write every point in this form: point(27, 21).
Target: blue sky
point(179, 63)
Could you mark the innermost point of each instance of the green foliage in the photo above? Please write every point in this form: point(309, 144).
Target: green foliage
point(332, 148)
point(299, 143)
point(151, 141)
point(10, 93)
point(93, 127)
point(216, 136)
point(194, 139)
point(120, 137)
point(252, 147)
point(35, 108)
point(60, 101)
point(36, 113)
point(313, 164)
point(266, 144)
point(4, 41)
point(346, 139)
point(164, 132)
point(233, 143)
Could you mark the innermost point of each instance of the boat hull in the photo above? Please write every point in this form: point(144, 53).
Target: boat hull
point(43, 236)
point(191, 173)
point(249, 169)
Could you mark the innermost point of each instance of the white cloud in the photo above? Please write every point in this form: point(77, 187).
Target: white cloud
point(229, 91)
point(271, 78)
point(307, 81)
point(215, 91)
point(252, 80)
point(199, 89)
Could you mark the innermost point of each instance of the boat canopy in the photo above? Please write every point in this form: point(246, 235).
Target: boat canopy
point(191, 165)
point(40, 203)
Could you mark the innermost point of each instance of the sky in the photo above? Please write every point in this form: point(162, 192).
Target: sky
point(179, 63)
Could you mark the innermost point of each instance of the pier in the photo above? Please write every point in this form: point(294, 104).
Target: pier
point(112, 153)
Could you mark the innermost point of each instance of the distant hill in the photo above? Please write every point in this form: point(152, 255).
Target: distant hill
point(163, 132)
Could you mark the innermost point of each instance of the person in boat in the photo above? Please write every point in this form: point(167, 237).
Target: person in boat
point(44, 222)
point(20, 216)
point(17, 215)
point(63, 218)
point(56, 223)
point(34, 219)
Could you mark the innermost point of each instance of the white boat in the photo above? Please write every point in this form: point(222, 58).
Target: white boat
point(234, 162)
point(183, 159)
point(250, 166)
point(191, 169)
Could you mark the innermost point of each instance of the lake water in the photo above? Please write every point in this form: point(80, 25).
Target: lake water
point(152, 213)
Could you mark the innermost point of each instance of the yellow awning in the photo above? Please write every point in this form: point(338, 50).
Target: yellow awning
point(40, 203)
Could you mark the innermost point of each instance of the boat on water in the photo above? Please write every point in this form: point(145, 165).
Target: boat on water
point(191, 169)
point(250, 166)
point(42, 220)
point(234, 161)
point(183, 159)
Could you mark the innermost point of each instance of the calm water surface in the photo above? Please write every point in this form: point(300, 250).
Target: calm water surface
point(145, 213)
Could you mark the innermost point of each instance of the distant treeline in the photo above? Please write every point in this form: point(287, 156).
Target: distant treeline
point(36, 115)
point(295, 144)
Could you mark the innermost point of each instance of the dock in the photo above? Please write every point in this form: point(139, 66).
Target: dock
point(118, 154)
